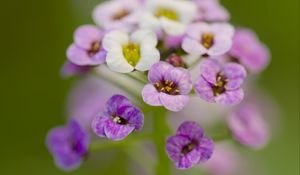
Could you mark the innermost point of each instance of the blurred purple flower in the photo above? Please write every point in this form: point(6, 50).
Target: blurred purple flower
point(173, 42)
point(221, 84)
point(189, 146)
point(118, 120)
point(211, 11)
point(248, 126)
point(249, 51)
point(208, 39)
point(169, 86)
point(68, 145)
point(87, 49)
point(117, 14)
point(70, 69)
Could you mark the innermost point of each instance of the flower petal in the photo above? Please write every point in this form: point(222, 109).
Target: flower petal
point(173, 102)
point(149, 56)
point(191, 130)
point(182, 78)
point(206, 148)
point(133, 116)
point(85, 35)
point(221, 46)
point(98, 124)
point(116, 102)
point(174, 146)
point(150, 95)
point(209, 70)
point(79, 56)
point(114, 131)
point(204, 89)
point(172, 27)
point(157, 71)
point(233, 97)
point(192, 46)
point(189, 160)
point(235, 74)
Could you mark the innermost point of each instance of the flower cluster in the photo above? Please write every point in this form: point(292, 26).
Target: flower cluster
point(151, 49)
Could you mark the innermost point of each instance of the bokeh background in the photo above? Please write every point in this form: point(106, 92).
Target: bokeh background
point(34, 36)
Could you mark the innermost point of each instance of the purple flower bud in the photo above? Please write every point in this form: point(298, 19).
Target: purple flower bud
point(248, 126)
point(169, 86)
point(176, 61)
point(221, 83)
point(68, 145)
point(87, 48)
point(249, 51)
point(119, 120)
point(189, 146)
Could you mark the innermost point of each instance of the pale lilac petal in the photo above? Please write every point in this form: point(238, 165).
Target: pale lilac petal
point(204, 89)
point(174, 102)
point(235, 74)
point(181, 77)
point(157, 71)
point(192, 46)
point(98, 124)
point(191, 130)
point(206, 148)
point(78, 56)
point(114, 131)
point(221, 46)
point(209, 70)
point(151, 95)
point(233, 97)
point(86, 35)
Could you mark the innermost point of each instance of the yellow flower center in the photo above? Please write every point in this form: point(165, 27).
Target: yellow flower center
point(207, 40)
point(132, 53)
point(168, 13)
point(168, 87)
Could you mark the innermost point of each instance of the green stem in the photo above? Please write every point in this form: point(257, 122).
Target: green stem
point(161, 131)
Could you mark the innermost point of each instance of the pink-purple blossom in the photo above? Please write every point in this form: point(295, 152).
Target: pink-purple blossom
point(211, 11)
point(248, 126)
point(220, 83)
point(168, 86)
point(208, 39)
point(87, 48)
point(189, 146)
point(249, 51)
point(68, 145)
point(119, 119)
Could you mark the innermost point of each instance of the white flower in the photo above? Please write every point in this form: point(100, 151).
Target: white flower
point(126, 53)
point(171, 16)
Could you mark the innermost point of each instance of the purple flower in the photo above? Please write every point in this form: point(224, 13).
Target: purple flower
point(249, 51)
point(87, 49)
point(68, 145)
point(70, 69)
point(119, 120)
point(189, 146)
point(221, 84)
point(248, 126)
point(169, 86)
point(211, 11)
point(208, 39)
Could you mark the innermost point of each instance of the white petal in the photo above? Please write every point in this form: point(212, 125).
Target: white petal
point(221, 46)
point(149, 56)
point(193, 47)
point(172, 27)
point(149, 21)
point(115, 39)
point(145, 36)
point(116, 61)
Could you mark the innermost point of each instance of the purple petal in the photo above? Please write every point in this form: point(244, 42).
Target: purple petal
point(133, 116)
point(98, 124)
point(70, 69)
point(157, 71)
point(221, 46)
point(85, 35)
point(233, 97)
point(116, 102)
point(189, 160)
point(173, 102)
point(150, 95)
point(114, 131)
point(80, 56)
point(191, 130)
point(206, 148)
point(235, 74)
point(209, 70)
point(204, 90)
point(181, 77)
point(80, 138)
point(174, 146)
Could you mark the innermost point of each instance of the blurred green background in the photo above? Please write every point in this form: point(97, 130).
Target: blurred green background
point(34, 36)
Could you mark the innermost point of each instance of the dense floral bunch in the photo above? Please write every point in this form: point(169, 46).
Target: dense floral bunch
point(168, 51)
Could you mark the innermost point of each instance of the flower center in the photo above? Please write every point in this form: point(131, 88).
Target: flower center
point(168, 87)
point(131, 53)
point(95, 47)
point(207, 40)
point(188, 148)
point(119, 120)
point(120, 14)
point(219, 87)
point(167, 13)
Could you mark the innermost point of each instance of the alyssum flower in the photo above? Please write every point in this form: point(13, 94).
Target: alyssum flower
point(220, 83)
point(117, 14)
point(126, 53)
point(87, 48)
point(118, 120)
point(169, 16)
point(168, 86)
point(68, 145)
point(211, 11)
point(208, 39)
point(189, 146)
